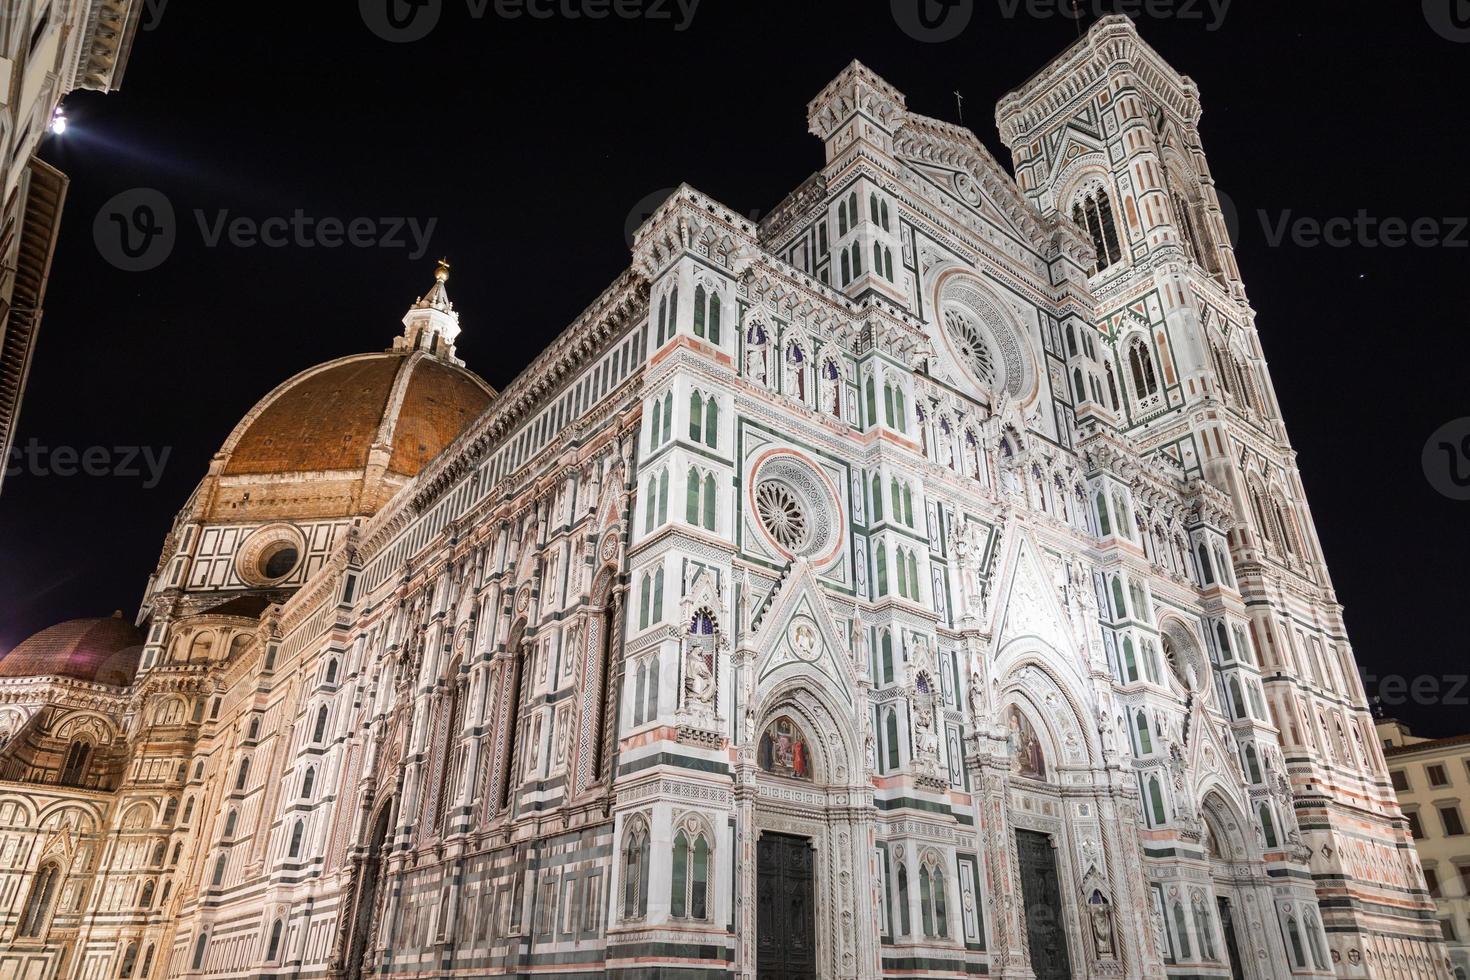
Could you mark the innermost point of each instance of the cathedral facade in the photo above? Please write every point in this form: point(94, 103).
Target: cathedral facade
point(916, 583)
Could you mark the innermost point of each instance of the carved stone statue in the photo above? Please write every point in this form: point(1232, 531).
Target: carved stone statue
point(699, 673)
point(969, 545)
point(926, 739)
point(1102, 931)
point(977, 698)
point(870, 745)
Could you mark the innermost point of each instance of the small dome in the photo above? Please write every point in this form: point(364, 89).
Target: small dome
point(104, 651)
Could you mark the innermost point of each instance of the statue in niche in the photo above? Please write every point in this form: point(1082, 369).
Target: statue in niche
point(699, 670)
point(977, 697)
point(926, 741)
point(1102, 925)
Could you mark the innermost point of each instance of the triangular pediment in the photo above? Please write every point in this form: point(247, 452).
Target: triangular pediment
point(1029, 606)
point(797, 633)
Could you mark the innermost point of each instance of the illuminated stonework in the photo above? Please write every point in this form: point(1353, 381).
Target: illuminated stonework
point(772, 622)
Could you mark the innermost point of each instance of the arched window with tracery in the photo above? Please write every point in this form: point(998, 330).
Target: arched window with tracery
point(636, 850)
point(515, 710)
point(1294, 940)
point(932, 911)
point(129, 961)
point(1186, 227)
point(1093, 213)
point(1145, 739)
point(689, 888)
point(74, 768)
point(1158, 816)
point(645, 691)
point(707, 314)
point(668, 316)
point(1181, 934)
point(1204, 930)
point(1252, 764)
point(1141, 369)
point(1268, 825)
point(1314, 940)
point(651, 598)
point(38, 902)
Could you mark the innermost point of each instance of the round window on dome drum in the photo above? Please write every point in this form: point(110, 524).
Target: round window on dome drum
point(270, 555)
point(279, 561)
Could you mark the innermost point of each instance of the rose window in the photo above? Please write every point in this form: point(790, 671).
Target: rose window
point(970, 343)
point(782, 514)
point(794, 508)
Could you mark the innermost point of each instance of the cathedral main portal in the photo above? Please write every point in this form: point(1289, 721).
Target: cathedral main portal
point(1045, 934)
point(786, 931)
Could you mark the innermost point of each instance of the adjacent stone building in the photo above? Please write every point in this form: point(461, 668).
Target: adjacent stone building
point(1432, 779)
point(47, 49)
point(917, 583)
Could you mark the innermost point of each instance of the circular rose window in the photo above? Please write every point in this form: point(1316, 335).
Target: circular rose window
point(782, 514)
point(795, 506)
point(969, 340)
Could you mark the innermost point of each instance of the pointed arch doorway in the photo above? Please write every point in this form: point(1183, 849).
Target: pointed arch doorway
point(1241, 892)
point(806, 908)
point(364, 921)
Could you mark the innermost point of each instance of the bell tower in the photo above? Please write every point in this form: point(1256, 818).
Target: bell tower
point(1107, 135)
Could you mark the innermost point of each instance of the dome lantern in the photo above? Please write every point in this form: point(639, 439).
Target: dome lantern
point(431, 324)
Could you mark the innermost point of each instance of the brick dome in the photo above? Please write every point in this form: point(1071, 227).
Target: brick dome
point(105, 651)
point(328, 419)
point(340, 439)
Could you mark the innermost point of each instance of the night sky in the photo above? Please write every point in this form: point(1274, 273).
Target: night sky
point(529, 141)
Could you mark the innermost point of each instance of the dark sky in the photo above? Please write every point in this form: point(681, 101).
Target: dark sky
point(530, 140)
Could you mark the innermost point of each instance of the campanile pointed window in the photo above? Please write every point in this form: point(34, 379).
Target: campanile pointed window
point(1093, 213)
